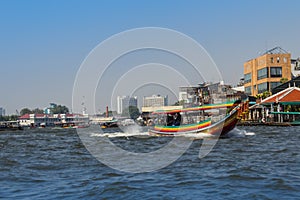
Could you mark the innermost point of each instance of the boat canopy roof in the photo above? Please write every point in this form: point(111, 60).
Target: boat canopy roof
point(286, 113)
point(197, 108)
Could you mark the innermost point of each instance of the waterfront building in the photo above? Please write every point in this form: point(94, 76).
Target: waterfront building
point(155, 101)
point(124, 102)
point(295, 82)
point(37, 120)
point(34, 120)
point(266, 71)
point(281, 108)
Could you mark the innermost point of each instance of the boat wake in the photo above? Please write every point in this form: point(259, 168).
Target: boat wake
point(125, 131)
point(133, 131)
point(239, 133)
point(145, 134)
point(121, 134)
point(196, 136)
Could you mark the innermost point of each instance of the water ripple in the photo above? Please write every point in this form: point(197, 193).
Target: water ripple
point(252, 163)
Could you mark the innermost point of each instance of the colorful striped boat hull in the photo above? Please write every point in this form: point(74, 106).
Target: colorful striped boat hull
point(183, 128)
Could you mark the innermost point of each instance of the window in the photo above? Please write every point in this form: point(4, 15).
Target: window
point(262, 87)
point(272, 60)
point(276, 72)
point(297, 66)
point(278, 59)
point(248, 90)
point(247, 78)
point(284, 60)
point(262, 73)
point(274, 85)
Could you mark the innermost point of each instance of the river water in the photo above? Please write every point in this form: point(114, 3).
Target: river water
point(252, 163)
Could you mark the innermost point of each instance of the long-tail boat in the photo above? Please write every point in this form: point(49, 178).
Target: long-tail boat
point(215, 126)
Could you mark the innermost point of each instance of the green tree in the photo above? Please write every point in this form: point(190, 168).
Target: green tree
point(9, 118)
point(13, 118)
point(283, 80)
point(59, 109)
point(132, 112)
point(28, 111)
point(263, 95)
point(37, 111)
point(266, 94)
point(25, 111)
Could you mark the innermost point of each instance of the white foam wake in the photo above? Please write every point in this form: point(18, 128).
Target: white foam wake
point(120, 134)
point(134, 131)
point(239, 133)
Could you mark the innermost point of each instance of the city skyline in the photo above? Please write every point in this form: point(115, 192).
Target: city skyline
point(124, 102)
point(44, 43)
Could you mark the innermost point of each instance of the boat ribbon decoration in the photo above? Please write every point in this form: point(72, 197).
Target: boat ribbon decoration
point(183, 128)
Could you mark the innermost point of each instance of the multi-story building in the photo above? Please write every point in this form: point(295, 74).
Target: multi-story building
point(124, 102)
point(194, 95)
point(266, 71)
point(295, 67)
point(2, 111)
point(155, 101)
point(187, 94)
point(208, 93)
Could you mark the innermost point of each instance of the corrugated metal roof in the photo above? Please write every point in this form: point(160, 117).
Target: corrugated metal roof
point(291, 94)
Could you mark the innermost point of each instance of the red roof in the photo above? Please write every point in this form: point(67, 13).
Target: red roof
point(291, 94)
point(40, 115)
point(73, 115)
point(26, 116)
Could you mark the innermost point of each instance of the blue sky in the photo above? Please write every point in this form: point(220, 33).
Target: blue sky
point(43, 43)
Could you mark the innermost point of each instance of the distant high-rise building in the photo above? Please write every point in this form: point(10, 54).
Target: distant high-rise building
point(155, 101)
point(124, 102)
point(2, 111)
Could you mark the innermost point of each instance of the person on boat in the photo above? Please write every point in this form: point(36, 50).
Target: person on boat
point(177, 119)
point(170, 120)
